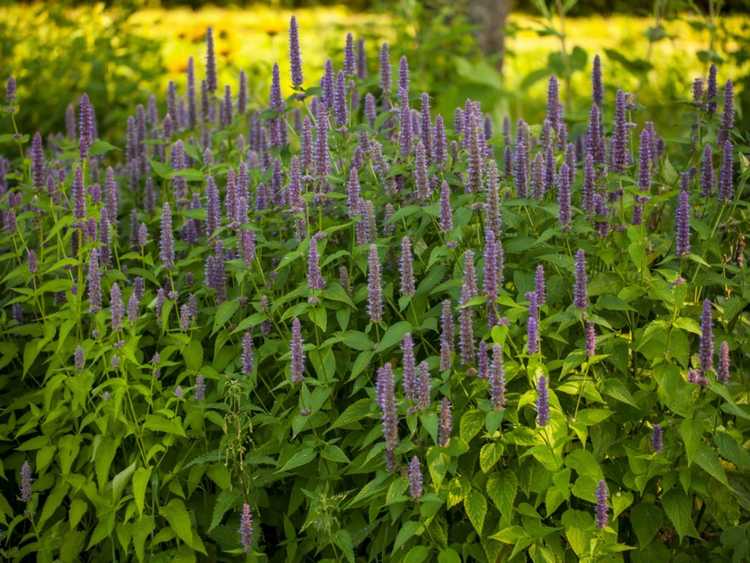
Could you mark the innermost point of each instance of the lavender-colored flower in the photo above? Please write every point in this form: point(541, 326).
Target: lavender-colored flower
point(133, 307)
point(370, 109)
point(446, 211)
point(78, 191)
point(446, 335)
point(200, 388)
point(10, 91)
point(706, 338)
point(520, 169)
point(590, 334)
point(597, 90)
point(697, 377)
point(553, 102)
point(85, 125)
point(497, 377)
point(213, 209)
point(374, 287)
point(682, 224)
point(697, 89)
point(469, 287)
point(421, 180)
point(423, 385)
point(211, 81)
point(657, 438)
point(117, 309)
point(37, 161)
point(644, 161)
point(483, 366)
point(726, 185)
point(31, 261)
point(247, 353)
point(602, 514)
point(315, 279)
point(166, 240)
point(404, 134)
point(620, 134)
point(353, 197)
point(247, 247)
point(445, 424)
point(246, 528)
point(26, 481)
point(94, 282)
point(295, 58)
point(476, 157)
point(711, 89)
point(297, 353)
point(580, 292)
point(542, 402)
point(385, 70)
point(539, 286)
point(79, 358)
point(349, 62)
point(185, 318)
point(466, 334)
point(727, 117)
point(563, 196)
point(490, 280)
point(386, 395)
point(409, 370)
point(339, 100)
point(439, 142)
point(322, 156)
point(406, 267)
point(415, 478)
point(532, 334)
point(722, 371)
point(361, 59)
point(142, 236)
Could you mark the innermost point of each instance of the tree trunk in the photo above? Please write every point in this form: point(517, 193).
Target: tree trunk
point(489, 16)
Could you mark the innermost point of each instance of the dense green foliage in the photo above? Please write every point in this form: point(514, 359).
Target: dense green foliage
point(129, 462)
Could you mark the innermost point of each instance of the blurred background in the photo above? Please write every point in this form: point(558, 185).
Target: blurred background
point(497, 51)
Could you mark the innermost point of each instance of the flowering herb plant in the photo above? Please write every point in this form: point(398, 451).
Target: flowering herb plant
point(336, 326)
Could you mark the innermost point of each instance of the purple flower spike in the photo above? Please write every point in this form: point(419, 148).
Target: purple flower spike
point(117, 308)
point(385, 71)
point(712, 89)
point(407, 268)
point(211, 81)
point(79, 358)
point(542, 402)
point(85, 125)
point(682, 224)
point(247, 353)
point(553, 103)
point(361, 59)
point(409, 370)
point(26, 481)
point(722, 372)
point(602, 512)
point(349, 61)
point(590, 332)
point(78, 191)
point(490, 280)
point(707, 338)
point(597, 90)
point(403, 76)
point(315, 279)
point(371, 112)
point(37, 161)
point(339, 100)
point(657, 438)
point(446, 211)
point(421, 180)
point(422, 386)
point(94, 282)
point(727, 118)
point(386, 395)
point(445, 425)
point(539, 286)
point(213, 208)
point(644, 161)
point(415, 478)
point(166, 242)
point(246, 528)
point(200, 388)
point(374, 288)
point(469, 288)
point(620, 135)
point(446, 335)
point(295, 58)
point(322, 155)
point(10, 91)
point(563, 196)
point(726, 186)
point(298, 355)
point(497, 378)
point(580, 291)
point(532, 333)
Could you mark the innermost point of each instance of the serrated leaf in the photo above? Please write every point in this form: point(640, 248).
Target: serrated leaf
point(475, 505)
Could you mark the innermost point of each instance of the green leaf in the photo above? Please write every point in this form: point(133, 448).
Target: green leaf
point(646, 520)
point(394, 335)
point(475, 505)
point(408, 531)
point(449, 555)
point(437, 464)
point(578, 530)
point(678, 507)
point(301, 457)
point(470, 425)
point(224, 312)
point(344, 540)
point(357, 340)
point(193, 354)
point(100, 147)
point(489, 455)
point(707, 460)
point(417, 554)
point(120, 481)
point(224, 501)
point(179, 520)
point(104, 452)
point(353, 413)
point(691, 437)
point(335, 454)
point(140, 482)
point(502, 488)
point(584, 463)
point(160, 424)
